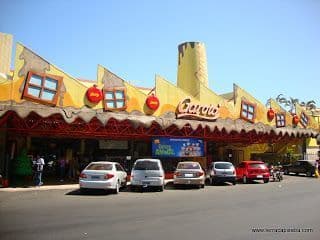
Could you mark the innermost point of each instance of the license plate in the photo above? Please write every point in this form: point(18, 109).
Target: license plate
point(145, 183)
point(95, 177)
point(259, 176)
point(188, 175)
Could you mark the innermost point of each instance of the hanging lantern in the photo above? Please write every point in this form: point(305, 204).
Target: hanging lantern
point(152, 102)
point(295, 120)
point(270, 114)
point(94, 94)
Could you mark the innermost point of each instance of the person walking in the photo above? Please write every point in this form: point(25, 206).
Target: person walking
point(39, 169)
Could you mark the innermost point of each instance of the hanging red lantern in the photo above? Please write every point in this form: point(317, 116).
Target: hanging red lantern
point(270, 114)
point(152, 102)
point(295, 120)
point(94, 94)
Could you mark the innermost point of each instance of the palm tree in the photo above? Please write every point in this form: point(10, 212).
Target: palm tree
point(281, 99)
point(310, 105)
point(287, 103)
point(291, 102)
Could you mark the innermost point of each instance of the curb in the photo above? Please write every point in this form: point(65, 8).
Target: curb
point(40, 188)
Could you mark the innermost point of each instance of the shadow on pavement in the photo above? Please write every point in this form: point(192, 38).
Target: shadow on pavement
point(95, 192)
point(171, 186)
point(222, 184)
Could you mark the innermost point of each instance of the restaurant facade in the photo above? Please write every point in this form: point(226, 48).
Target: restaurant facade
point(44, 110)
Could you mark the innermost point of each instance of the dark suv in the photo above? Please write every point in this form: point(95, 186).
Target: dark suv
point(301, 166)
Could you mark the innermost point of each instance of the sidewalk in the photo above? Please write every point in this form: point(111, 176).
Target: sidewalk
point(51, 187)
point(41, 188)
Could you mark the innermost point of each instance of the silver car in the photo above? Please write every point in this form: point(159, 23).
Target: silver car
point(222, 172)
point(103, 175)
point(147, 173)
point(189, 173)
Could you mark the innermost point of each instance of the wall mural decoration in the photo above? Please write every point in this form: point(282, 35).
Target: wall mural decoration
point(295, 120)
point(93, 94)
point(152, 102)
point(270, 114)
point(42, 88)
point(248, 111)
point(31, 62)
point(114, 92)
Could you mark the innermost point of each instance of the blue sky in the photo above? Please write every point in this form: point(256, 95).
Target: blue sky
point(266, 47)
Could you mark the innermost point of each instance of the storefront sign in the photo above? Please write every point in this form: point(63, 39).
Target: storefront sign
point(177, 147)
point(188, 109)
point(152, 102)
point(113, 144)
point(94, 94)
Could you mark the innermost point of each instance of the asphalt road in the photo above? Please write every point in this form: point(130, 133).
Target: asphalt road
point(216, 212)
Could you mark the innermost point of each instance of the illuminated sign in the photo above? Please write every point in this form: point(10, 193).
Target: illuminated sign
point(188, 109)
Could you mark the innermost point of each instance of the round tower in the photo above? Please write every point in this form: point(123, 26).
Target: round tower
point(192, 67)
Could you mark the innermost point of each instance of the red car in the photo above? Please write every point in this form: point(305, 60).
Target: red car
point(252, 170)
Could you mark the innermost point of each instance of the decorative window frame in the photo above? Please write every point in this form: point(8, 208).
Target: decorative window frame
point(114, 99)
point(248, 104)
point(280, 122)
point(42, 87)
point(304, 119)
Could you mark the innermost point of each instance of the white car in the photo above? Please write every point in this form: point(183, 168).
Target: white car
point(147, 173)
point(189, 173)
point(103, 175)
point(220, 172)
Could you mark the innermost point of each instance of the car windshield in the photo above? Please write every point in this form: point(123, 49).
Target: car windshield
point(223, 165)
point(257, 165)
point(188, 166)
point(146, 165)
point(99, 166)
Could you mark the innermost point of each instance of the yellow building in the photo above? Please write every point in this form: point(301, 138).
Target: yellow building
point(45, 110)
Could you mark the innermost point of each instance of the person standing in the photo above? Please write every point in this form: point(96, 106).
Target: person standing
point(71, 171)
point(62, 166)
point(39, 169)
point(316, 166)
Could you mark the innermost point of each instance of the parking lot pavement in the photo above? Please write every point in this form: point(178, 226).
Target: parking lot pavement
point(244, 211)
point(168, 182)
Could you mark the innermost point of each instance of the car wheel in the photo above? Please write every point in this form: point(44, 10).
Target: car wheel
point(265, 180)
point(245, 179)
point(117, 189)
point(234, 182)
point(83, 190)
point(202, 185)
point(161, 188)
point(309, 174)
